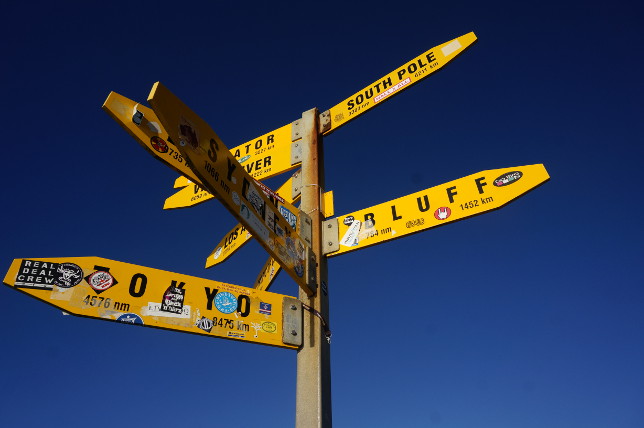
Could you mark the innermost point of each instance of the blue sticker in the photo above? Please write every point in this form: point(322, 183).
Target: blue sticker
point(130, 318)
point(289, 216)
point(265, 308)
point(226, 302)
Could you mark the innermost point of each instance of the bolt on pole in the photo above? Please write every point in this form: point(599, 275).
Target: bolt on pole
point(313, 395)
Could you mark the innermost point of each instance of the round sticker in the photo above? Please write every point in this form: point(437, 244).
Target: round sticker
point(269, 327)
point(68, 275)
point(226, 302)
point(130, 318)
point(158, 144)
point(442, 213)
point(100, 280)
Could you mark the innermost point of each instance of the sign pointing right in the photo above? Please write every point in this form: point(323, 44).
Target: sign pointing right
point(452, 201)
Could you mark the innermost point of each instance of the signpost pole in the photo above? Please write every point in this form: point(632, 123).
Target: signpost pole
point(313, 395)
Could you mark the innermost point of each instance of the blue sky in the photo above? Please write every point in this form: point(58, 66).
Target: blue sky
point(528, 316)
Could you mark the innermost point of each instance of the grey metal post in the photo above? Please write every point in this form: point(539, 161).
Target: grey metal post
point(313, 395)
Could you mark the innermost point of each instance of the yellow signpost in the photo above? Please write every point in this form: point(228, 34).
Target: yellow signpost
point(296, 241)
point(223, 176)
point(106, 289)
point(446, 203)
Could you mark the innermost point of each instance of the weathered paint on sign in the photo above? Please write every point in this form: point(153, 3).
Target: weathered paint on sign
point(239, 235)
point(109, 290)
point(223, 176)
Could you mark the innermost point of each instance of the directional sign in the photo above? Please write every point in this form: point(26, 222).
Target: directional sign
point(238, 235)
point(449, 202)
point(221, 174)
point(377, 93)
point(267, 275)
point(151, 135)
point(191, 194)
point(106, 289)
point(262, 157)
point(397, 81)
point(144, 126)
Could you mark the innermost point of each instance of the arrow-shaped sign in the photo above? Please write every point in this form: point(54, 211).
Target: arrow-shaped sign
point(449, 202)
point(438, 205)
point(221, 174)
point(263, 157)
point(115, 291)
point(362, 101)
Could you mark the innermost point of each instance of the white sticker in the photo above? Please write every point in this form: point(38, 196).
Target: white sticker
point(217, 253)
point(154, 310)
point(350, 238)
point(256, 225)
point(450, 48)
point(252, 195)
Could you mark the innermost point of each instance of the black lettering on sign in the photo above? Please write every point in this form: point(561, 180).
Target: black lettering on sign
point(451, 193)
point(231, 169)
point(138, 278)
point(258, 164)
point(368, 93)
point(210, 296)
point(426, 203)
point(480, 183)
point(393, 213)
point(243, 305)
point(214, 148)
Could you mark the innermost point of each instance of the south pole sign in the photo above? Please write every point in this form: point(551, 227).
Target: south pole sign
point(298, 240)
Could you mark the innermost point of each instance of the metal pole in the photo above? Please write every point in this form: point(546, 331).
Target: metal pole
point(313, 395)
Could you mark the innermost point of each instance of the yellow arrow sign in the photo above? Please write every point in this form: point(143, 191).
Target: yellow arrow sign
point(279, 152)
point(144, 126)
point(238, 235)
point(449, 202)
point(397, 81)
point(267, 275)
point(222, 175)
point(191, 194)
point(263, 157)
point(106, 289)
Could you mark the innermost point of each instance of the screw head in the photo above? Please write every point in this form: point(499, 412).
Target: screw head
point(294, 307)
point(294, 333)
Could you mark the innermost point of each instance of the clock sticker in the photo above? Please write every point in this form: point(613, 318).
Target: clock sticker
point(226, 302)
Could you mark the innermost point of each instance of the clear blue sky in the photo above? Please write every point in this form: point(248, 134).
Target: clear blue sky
point(529, 316)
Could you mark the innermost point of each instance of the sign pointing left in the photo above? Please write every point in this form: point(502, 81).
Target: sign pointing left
point(115, 291)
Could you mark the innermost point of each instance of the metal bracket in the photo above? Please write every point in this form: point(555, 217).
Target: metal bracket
point(306, 228)
point(311, 265)
point(325, 121)
point(137, 117)
point(296, 130)
point(330, 236)
point(296, 190)
point(292, 326)
point(296, 153)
